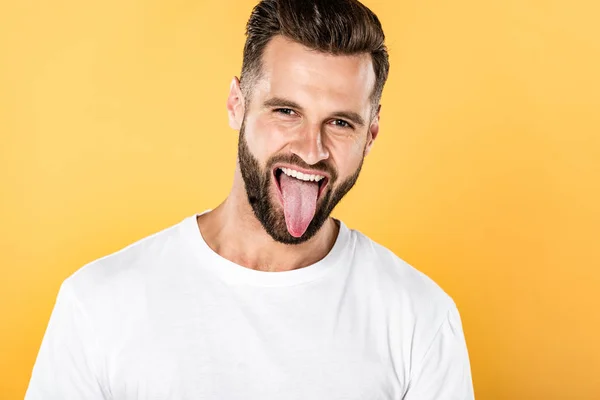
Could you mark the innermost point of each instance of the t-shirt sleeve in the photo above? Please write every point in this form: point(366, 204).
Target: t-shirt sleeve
point(65, 366)
point(444, 373)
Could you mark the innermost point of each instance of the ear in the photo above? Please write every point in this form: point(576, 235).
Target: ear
point(373, 131)
point(235, 104)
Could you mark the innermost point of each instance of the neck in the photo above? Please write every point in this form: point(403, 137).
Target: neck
point(233, 232)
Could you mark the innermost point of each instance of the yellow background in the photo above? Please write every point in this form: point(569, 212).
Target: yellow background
point(486, 173)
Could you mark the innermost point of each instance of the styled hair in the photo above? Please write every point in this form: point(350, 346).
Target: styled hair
point(338, 27)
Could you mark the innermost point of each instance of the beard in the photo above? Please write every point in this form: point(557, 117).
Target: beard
point(258, 184)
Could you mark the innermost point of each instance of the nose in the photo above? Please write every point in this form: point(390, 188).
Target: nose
point(308, 145)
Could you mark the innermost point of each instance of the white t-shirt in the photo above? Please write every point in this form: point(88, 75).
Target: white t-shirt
point(168, 318)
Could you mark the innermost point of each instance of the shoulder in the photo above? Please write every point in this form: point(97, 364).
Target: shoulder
point(389, 267)
point(400, 283)
point(123, 273)
point(417, 310)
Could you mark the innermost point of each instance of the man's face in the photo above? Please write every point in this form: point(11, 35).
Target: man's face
point(309, 113)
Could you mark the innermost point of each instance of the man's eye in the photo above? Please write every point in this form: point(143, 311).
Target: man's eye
point(341, 123)
point(286, 111)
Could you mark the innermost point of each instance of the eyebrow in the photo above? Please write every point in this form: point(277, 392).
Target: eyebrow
point(281, 102)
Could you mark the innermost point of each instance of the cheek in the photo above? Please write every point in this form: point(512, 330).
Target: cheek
point(265, 138)
point(346, 154)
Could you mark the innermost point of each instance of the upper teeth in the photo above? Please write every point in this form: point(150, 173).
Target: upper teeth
point(301, 176)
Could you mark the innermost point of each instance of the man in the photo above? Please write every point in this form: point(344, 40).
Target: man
point(266, 296)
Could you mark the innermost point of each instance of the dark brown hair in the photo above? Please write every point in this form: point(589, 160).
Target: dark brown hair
point(339, 27)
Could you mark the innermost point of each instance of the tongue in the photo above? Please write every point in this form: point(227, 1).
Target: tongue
point(299, 203)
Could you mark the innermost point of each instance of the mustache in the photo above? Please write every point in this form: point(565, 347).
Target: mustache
point(294, 159)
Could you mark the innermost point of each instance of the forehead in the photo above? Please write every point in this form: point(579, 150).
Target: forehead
point(291, 70)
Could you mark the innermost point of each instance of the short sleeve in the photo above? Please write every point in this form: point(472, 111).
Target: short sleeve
point(65, 366)
point(444, 373)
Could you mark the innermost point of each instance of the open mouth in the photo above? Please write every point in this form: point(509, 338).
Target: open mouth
point(299, 192)
point(319, 179)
